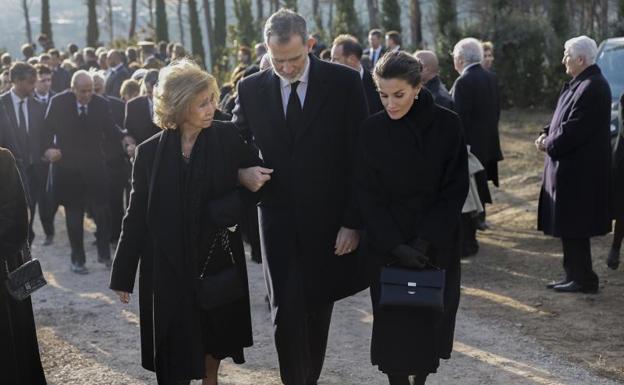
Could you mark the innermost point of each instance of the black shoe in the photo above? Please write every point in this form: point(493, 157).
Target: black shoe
point(482, 226)
point(557, 283)
point(79, 269)
point(574, 287)
point(470, 251)
point(107, 262)
point(49, 239)
point(613, 260)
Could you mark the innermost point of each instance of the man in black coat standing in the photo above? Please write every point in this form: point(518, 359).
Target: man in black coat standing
point(476, 98)
point(431, 79)
point(575, 196)
point(118, 73)
point(303, 115)
point(346, 50)
point(81, 121)
point(60, 77)
point(138, 118)
point(376, 49)
point(25, 116)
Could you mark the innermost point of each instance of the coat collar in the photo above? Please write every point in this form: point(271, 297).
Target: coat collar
point(588, 72)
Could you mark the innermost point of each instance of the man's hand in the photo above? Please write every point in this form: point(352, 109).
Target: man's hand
point(253, 178)
point(123, 296)
point(539, 143)
point(347, 241)
point(130, 150)
point(52, 155)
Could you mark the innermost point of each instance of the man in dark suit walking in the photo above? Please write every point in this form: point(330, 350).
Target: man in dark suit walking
point(303, 115)
point(60, 77)
point(25, 116)
point(138, 118)
point(118, 73)
point(376, 49)
point(346, 50)
point(431, 79)
point(81, 121)
point(475, 94)
point(574, 200)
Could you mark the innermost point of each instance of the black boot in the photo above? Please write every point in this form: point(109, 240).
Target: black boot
point(613, 260)
point(398, 379)
point(418, 379)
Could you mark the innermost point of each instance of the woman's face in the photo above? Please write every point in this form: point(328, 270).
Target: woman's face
point(488, 59)
point(397, 96)
point(201, 111)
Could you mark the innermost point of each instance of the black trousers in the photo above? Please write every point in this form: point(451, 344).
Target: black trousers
point(470, 245)
point(46, 201)
point(74, 213)
point(577, 261)
point(300, 333)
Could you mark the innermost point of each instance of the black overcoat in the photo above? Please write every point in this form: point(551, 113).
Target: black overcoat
point(372, 95)
point(114, 81)
point(311, 193)
point(412, 183)
point(152, 235)
point(440, 94)
point(20, 363)
point(138, 120)
point(477, 102)
point(82, 169)
point(574, 200)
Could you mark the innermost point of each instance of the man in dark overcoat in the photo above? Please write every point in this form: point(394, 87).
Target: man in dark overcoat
point(20, 363)
point(138, 119)
point(476, 98)
point(117, 75)
point(25, 116)
point(431, 79)
point(303, 115)
point(347, 50)
point(81, 121)
point(575, 195)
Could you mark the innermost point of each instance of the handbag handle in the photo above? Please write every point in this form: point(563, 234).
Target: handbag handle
point(221, 234)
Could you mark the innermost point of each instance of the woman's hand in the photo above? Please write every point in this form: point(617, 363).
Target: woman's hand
point(123, 296)
point(539, 143)
point(253, 178)
point(347, 241)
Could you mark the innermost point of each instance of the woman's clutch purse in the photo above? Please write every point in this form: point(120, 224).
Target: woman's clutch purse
point(25, 280)
point(412, 288)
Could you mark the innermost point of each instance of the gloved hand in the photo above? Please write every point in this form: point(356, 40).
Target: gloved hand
point(407, 256)
point(421, 246)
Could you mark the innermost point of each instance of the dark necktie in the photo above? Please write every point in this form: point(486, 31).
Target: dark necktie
point(83, 112)
point(293, 109)
point(23, 131)
point(23, 128)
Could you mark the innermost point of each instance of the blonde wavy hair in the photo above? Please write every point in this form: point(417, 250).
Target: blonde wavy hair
point(178, 84)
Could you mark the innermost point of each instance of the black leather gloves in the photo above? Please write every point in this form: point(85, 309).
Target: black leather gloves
point(408, 256)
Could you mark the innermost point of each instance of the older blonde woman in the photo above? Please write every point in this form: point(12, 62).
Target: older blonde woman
point(184, 194)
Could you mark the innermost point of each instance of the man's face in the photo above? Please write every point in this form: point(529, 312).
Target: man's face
point(337, 56)
point(83, 91)
point(25, 88)
point(458, 63)
point(574, 66)
point(98, 86)
point(390, 43)
point(289, 59)
point(43, 84)
point(374, 41)
point(54, 61)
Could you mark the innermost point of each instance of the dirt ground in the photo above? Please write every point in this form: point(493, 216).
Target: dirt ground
point(510, 329)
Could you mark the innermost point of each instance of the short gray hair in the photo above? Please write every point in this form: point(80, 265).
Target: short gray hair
point(582, 46)
point(469, 49)
point(80, 74)
point(283, 24)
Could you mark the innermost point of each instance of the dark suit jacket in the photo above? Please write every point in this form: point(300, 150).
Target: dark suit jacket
point(115, 154)
point(477, 103)
point(368, 52)
point(46, 102)
point(138, 120)
point(61, 80)
point(114, 81)
point(311, 192)
point(575, 194)
point(81, 170)
point(372, 96)
point(440, 94)
point(27, 147)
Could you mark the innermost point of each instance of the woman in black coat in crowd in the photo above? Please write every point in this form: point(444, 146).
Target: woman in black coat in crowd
point(184, 191)
point(412, 184)
point(20, 363)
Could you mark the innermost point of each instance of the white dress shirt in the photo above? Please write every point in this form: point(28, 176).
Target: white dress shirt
point(16, 105)
point(78, 105)
point(302, 89)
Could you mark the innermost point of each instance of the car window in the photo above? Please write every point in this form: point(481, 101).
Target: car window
point(611, 60)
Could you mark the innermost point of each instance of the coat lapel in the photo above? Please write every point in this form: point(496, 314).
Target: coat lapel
point(271, 91)
point(8, 104)
point(315, 97)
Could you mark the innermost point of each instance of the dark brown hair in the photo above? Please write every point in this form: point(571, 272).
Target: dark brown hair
point(399, 65)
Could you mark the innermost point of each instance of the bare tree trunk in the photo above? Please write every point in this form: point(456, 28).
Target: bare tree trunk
point(416, 23)
point(260, 9)
point(150, 9)
point(210, 32)
point(109, 13)
point(604, 19)
point(318, 17)
point(133, 19)
point(330, 21)
point(373, 13)
point(181, 21)
point(26, 9)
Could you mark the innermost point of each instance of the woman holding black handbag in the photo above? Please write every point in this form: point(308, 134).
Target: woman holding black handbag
point(412, 183)
point(180, 224)
point(20, 363)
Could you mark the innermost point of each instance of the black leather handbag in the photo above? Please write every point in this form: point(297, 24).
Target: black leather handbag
point(25, 280)
point(224, 286)
point(412, 288)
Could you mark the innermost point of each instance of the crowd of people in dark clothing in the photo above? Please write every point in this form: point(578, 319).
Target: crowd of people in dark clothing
point(332, 163)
